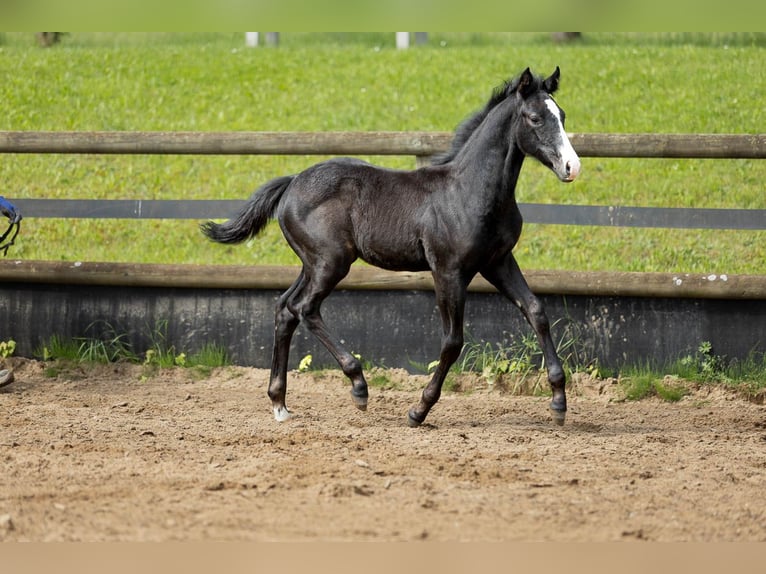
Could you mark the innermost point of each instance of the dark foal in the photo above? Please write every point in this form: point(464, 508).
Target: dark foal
point(456, 218)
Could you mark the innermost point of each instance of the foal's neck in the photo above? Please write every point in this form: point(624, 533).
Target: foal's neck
point(492, 154)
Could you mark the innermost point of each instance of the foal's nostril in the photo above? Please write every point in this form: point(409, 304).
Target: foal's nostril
point(572, 168)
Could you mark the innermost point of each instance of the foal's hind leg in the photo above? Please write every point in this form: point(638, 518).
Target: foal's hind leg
point(450, 297)
point(285, 323)
point(508, 279)
point(307, 304)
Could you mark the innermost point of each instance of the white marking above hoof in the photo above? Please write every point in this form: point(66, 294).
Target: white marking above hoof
point(281, 414)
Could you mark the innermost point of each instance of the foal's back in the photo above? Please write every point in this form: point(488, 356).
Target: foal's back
point(354, 209)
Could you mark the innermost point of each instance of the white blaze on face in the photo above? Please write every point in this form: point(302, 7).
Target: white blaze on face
point(570, 162)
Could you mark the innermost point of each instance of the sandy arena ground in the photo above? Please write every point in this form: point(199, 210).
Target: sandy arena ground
point(102, 455)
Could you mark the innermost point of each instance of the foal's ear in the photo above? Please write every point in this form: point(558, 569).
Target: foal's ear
point(525, 83)
point(552, 83)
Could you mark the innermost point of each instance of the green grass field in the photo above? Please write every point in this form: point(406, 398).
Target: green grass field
point(706, 83)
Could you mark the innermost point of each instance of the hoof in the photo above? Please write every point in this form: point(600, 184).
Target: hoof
point(6, 377)
point(281, 414)
point(558, 417)
point(359, 402)
point(413, 422)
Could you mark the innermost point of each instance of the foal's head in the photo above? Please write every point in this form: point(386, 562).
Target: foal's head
point(538, 125)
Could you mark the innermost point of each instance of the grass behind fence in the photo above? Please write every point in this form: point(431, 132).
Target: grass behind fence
point(610, 83)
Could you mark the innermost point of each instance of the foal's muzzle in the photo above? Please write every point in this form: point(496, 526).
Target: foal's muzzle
point(571, 169)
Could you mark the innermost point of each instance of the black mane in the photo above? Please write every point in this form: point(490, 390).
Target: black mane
point(469, 125)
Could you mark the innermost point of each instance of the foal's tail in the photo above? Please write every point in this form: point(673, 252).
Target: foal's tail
point(254, 215)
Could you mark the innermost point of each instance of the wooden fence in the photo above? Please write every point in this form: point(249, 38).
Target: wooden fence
point(622, 317)
point(419, 144)
point(711, 146)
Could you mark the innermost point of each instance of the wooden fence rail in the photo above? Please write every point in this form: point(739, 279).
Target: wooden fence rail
point(418, 144)
point(640, 145)
point(361, 277)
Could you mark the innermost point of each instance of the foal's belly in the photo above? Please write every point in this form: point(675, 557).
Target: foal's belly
point(407, 256)
point(395, 263)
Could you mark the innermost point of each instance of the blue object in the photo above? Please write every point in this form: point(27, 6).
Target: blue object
point(14, 224)
point(8, 209)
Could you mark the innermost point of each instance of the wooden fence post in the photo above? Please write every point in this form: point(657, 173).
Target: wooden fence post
point(252, 39)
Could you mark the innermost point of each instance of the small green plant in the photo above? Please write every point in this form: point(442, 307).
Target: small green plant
point(421, 367)
point(305, 363)
point(105, 351)
point(520, 359)
point(574, 348)
point(164, 358)
point(368, 365)
point(379, 379)
point(113, 347)
point(57, 347)
point(670, 383)
point(163, 355)
point(639, 382)
point(749, 373)
point(109, 347)
point(201, 363)
point(209, 355)
point(160, 354)
point(671, 389)
point(702, 366)
point(673, 381)
point(7, 348)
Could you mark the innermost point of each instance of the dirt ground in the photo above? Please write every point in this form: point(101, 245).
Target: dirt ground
point(106, 455)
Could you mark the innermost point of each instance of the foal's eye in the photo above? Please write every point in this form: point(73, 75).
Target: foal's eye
point(535, 119)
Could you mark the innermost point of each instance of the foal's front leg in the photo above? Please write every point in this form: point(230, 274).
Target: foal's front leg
point(507, 278)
